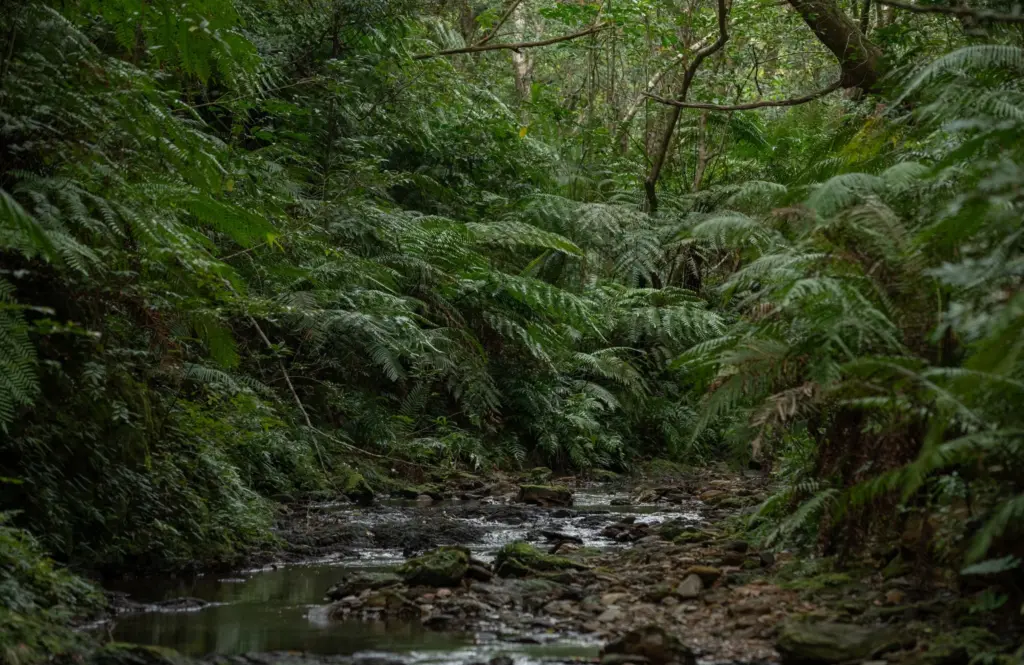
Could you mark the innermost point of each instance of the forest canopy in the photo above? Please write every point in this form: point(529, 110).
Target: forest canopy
point(257, 250)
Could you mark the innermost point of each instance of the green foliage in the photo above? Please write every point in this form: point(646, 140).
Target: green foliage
point(36, 598)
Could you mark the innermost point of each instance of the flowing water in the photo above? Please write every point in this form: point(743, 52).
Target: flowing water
point(283, 608)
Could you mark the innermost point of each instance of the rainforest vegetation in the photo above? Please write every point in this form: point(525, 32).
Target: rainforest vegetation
point(253, 251)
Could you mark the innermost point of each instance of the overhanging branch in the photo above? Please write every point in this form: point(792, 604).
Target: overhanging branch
point(513, 47)
point(651, 182)
point(795, 101)
point(501, 21)
point(980, 14)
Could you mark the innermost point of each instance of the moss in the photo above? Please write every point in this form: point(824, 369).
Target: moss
point(819, 582)
point(540, 474)
point(895, 568)
point(521, 559)
point(443, 567)
point(354, 486)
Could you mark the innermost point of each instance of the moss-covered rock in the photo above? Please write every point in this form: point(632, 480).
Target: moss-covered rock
point(359, 582)
point(674, 528)
point(687, 537)
point(354, 486)
point(520, 559)
point(545, 495)
point(707, 574)
point(540, 474)
point(813, 643)
point(443, 567)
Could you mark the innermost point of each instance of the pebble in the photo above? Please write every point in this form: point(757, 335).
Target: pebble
point(611, 615)
point(690, 588)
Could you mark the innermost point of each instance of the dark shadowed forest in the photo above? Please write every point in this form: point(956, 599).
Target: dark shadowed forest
point(750, 269)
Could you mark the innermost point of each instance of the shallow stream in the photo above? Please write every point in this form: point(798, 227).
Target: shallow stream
point(282, 607)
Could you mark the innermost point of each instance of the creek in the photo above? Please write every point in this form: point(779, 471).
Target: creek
point(282, 606)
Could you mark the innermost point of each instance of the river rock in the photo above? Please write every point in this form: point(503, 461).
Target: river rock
point(651, 643)
point(707, 574)
point(521, 559)
point(355, 487)
point(545, 495)
point(356, 584)
point(443, 567)
point(611, 615)
point(810, 643)
point(690, 587)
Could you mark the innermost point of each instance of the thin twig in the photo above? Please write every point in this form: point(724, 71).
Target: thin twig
point(497, 26)
point(980, 14)
point(513, 47)
point(795, 101)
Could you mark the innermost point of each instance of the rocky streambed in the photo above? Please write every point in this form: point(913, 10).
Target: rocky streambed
point(534, 574)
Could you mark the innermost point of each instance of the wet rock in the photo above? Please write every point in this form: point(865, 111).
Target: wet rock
point(355, 584)
point(767, 559)
point(740, 546)
point(520, 559)
point(545, 495)
point(478, 571)
point(673, 528)
point(690, 587)
point(419, 535)
point(611, 615)
point(651, 643)
point(626, 531)
point(707, 574)
point(733, 559)
point(620, 501)
point(377, 660)
point(183, 604)
point(559, 537)
point(355, 487)
point(443, 567)
point(658, 592)
point(500, 660)
point(687, 537)
point(807, 643)
point(441, 621)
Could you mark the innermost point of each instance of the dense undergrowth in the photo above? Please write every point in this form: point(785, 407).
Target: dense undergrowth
point(245, 244)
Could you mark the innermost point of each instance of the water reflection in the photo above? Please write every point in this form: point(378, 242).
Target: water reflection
point(267, 611)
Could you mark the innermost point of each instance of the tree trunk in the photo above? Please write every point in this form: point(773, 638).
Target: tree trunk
point(520, 59)
point(859, 59)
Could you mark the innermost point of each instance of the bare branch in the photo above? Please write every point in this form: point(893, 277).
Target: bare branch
point(497, 26)
point(514, 47)
point(795, 101)
point(650, 184)
point(980, 14)
point(676, 60)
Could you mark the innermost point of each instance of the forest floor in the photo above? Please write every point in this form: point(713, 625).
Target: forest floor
point(667, 583)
